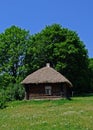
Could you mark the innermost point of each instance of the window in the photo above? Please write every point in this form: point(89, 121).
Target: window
point(48, 90)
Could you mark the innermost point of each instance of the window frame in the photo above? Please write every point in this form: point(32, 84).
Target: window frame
point(48, 90)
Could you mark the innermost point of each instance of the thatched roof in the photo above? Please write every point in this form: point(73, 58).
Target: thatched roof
point(46, 75)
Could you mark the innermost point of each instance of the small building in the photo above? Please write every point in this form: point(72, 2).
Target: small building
point(46, 83)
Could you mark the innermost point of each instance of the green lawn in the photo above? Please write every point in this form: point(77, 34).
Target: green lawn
point(76, 114)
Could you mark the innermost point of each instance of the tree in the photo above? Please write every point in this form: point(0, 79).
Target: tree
point(64, 50)
point(13, 47)
point(91, 72)
point(22, 53)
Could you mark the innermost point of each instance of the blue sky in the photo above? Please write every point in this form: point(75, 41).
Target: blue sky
point(34, 15)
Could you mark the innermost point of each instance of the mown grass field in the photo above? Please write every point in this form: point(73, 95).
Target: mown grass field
point(76, 114)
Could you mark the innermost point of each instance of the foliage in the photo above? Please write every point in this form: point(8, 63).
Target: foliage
point(76, 114)
point(91, 72)
point(14, 92)
point(13, 47)
point(22, 53)
point(64, 50)
point(2, 100)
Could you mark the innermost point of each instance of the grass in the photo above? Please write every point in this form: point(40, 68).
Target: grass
point(76, 114)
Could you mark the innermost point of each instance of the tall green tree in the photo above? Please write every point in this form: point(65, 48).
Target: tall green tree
point(64, 50)
point(22, 53)
point(91, 73)
point(13, 48)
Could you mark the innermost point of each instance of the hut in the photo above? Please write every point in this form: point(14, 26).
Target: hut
point(46, 83)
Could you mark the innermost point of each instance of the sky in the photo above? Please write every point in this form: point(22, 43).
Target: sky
point(34, 15)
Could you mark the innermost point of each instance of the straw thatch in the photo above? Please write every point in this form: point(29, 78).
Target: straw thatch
point(46, 75)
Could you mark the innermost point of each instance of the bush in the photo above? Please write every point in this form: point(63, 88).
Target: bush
point(2, 100)
point(14, 92)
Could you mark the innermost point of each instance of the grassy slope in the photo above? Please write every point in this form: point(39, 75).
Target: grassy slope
point(76, 114)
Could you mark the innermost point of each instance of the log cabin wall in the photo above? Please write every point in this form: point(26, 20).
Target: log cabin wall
point(38, 91)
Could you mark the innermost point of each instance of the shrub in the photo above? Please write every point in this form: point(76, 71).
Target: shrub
point(2, 100)
point(14, 92)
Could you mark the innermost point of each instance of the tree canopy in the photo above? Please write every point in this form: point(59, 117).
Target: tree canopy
point(64, 50)
point(91, 72)
point(13, 47)
point(22, 53)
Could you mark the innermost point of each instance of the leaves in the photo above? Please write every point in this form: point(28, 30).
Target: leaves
point(22, 54)
point(13, 47)
point(64, 50)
